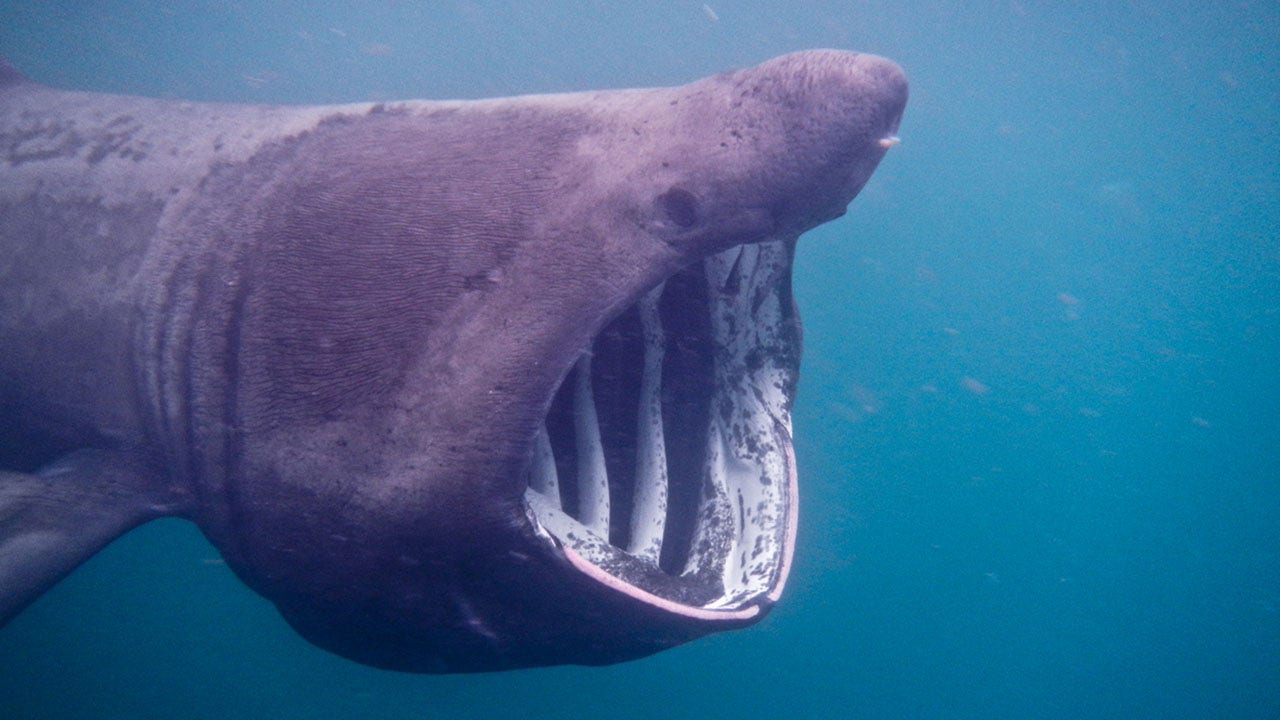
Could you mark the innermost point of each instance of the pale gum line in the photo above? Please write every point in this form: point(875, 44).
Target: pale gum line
point(793, 516)
point(649, 598)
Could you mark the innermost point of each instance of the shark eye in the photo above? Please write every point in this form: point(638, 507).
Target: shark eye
point(680, 207)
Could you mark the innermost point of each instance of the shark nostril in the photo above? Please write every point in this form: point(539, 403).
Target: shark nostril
point(679, 206)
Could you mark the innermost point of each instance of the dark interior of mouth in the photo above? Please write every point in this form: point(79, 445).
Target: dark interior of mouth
point(717, 434)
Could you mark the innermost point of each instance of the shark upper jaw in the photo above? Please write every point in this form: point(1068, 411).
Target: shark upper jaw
point(664, 469)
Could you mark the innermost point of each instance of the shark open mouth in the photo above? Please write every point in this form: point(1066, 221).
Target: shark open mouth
point(664, 467)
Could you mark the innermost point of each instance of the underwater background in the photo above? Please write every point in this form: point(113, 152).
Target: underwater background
point(1039, 417)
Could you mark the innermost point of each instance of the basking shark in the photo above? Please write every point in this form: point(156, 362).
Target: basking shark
point(458, 386)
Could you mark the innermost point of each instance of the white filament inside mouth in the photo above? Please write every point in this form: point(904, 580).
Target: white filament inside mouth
point(593, 479)
point(732, 545)
point(649, 511)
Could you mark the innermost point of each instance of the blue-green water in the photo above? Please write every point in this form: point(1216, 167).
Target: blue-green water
point(1039, 423)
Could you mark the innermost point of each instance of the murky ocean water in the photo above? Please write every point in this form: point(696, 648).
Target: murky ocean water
point(1039, 422)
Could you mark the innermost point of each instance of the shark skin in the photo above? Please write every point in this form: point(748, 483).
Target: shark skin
point(457, 385)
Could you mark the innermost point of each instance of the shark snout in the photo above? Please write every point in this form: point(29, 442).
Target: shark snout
point(837, 114)
point(856, 94)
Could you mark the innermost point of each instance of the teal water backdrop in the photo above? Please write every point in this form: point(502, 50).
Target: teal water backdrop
point(1039, 417)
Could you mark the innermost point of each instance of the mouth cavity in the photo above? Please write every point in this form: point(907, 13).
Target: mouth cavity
point(664, 467)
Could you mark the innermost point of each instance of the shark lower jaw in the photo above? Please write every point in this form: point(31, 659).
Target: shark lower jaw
point(664, 468)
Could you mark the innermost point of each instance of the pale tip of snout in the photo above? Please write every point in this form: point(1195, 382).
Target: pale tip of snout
point(888, 142)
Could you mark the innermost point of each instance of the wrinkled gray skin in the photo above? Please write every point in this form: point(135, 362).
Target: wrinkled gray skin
point(327, 335)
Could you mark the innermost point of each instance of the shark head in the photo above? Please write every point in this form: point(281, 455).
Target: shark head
point(513, 378)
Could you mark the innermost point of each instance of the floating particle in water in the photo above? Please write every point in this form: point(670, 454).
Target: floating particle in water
point(973, 385)
point(262, 78)
point(1071, 304)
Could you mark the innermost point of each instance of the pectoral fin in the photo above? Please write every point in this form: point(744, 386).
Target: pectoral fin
point(55, 519)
